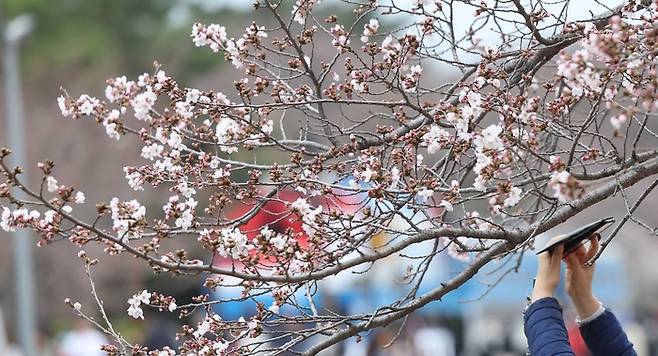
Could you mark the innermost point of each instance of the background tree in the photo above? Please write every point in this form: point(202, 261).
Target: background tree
point(546, 120)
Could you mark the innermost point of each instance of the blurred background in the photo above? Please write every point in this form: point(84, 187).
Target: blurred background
point(78, 44)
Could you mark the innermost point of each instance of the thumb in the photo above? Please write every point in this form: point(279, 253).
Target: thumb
point(593, 248)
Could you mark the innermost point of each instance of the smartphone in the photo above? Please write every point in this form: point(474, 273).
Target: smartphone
point(573, 240)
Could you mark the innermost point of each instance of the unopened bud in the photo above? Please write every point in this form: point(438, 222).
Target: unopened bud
point(4, 152)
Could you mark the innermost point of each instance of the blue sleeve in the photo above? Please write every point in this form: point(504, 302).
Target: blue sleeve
point(545, 330)
point(604, 336)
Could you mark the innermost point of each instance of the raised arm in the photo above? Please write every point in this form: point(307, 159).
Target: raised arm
point(599, 327)
point(545, 330)
point(543, 322)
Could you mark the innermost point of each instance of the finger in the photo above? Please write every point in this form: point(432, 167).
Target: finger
point(543, 259)
point(580, 252)
point(583, 253)
point(557, 254)
point(574, 263)
point(571, 260)
point(555, 238)
point(596, 241)
point(593, 247)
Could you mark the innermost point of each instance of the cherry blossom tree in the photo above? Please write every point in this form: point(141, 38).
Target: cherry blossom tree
point(339, 131)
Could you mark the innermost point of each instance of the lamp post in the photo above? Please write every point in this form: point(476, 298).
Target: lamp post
point(15, 31)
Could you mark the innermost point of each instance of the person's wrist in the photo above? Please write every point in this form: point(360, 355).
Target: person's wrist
point(541, 291)
point(581, 296)
point(586, 305)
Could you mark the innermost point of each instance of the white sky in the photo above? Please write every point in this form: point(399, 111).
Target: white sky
point(182, 15)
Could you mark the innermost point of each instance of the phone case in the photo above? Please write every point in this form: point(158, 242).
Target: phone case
point(573, 240)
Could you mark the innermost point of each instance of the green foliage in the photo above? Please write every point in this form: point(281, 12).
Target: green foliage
point(124, 35)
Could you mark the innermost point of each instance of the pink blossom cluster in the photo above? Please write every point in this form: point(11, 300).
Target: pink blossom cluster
point(339, 146)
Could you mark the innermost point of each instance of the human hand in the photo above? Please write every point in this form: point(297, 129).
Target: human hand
point(548, 272)
point(579, 276)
